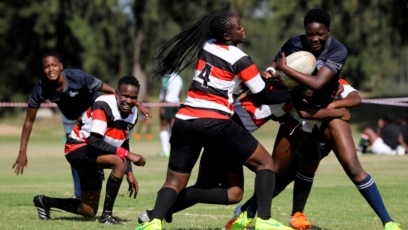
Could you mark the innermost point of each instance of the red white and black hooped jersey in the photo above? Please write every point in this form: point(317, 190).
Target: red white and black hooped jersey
point(253, 117)
point(218, 70)
point(103, 118)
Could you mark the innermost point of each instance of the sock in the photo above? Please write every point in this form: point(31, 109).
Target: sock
point(363, 142)
point(264, 185)
point(193, 195)
point(250, 206)
point(67, 204)
point(164, 139)
point(283, 181)
point(112, 189)
point(165, 200)
point(77, 183)
point(368, 189)
point(302, 186)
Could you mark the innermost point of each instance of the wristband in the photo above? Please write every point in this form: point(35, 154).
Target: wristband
point(121, 152)
point(270, 68)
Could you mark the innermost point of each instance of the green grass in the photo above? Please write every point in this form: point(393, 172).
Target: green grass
point(334, 202)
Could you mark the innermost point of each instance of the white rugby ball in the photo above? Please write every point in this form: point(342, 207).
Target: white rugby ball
point(301, 61)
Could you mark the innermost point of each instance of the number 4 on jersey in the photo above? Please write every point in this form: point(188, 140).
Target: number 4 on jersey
point(205, 74)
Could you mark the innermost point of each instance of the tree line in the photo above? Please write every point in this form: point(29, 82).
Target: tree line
point(111, 38)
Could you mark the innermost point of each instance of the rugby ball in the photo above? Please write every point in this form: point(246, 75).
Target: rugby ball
point(301, 61)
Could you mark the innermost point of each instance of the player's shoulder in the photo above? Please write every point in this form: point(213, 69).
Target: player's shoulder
point(337, 45)
point(106, 98)
point(76, 74)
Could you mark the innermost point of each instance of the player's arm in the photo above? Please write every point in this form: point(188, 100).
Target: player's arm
point(107, 89)
point(319, 114)
point(143, 110)
point(132, 182)
point(353, 99)
point(21, 161)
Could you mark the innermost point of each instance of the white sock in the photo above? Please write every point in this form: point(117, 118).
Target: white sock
point(165, 139)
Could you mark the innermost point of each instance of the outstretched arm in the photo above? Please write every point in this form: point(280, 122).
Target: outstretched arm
point(21, 161)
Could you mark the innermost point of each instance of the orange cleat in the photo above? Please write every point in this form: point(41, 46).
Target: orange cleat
point(299, 221)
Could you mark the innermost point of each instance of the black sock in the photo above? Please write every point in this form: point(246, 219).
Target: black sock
point(112, 189)
point(264, 185)
point(165, 200)
point(67, 204)
point(301, 189)
point(193, 195)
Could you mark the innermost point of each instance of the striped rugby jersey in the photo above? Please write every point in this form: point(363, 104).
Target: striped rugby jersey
point(103, 118)
point(253, 117)
point(219, 71)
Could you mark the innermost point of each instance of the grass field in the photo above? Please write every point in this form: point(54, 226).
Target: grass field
point(333, 204)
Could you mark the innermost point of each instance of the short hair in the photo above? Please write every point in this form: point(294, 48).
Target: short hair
point(317, 15)
point(52, 54)
point(388, 117)
point(129, 80)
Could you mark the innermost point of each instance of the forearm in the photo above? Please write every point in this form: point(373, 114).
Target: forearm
point(270, 97)
point(352, 100)
point(25, 135)
point(97, 142)
point(107, 89)
point(319, 114)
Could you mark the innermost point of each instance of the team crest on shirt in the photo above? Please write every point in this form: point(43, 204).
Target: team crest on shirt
point(319, 64)
point(73, 93)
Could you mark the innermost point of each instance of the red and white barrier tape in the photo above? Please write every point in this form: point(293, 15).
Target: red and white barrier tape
point(53, 105)
point(399, 101)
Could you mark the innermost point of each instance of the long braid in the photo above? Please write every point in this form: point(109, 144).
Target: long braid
point(181, 50)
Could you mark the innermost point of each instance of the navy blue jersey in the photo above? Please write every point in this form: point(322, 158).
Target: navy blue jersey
point(404, 131)
point(389, 134)
point(80, 91)
point(333, 56)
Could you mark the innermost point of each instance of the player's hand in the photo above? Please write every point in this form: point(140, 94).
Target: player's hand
point(345, 115)
point(20, 163)
point(281, 62)
point(136, 159)
point(133, 185)
point(144, 111)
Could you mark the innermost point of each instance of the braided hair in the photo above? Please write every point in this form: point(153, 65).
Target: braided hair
point(317, 15)
point(181, 50)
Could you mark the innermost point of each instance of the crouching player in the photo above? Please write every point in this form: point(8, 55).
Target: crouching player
point(100, 140)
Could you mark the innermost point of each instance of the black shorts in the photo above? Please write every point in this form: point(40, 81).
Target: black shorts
point(190, 136)
point(169, 113)
point(84, 161)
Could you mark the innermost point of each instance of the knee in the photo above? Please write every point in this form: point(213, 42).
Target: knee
point(119, 165)
point(235, 195)
point(88, 211)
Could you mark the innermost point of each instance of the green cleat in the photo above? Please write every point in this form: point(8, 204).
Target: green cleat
point(154, 224)
point(269, 224)
point(392, 226)
point(241, 222)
